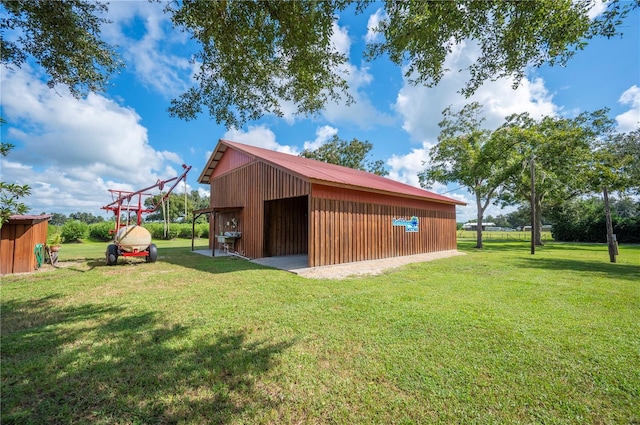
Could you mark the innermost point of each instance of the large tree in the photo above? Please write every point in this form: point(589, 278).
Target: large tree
point(470, 156)
point(563, 152)
point(620, 154)
point(351, 154)
point(63, 37)
point(257, 55)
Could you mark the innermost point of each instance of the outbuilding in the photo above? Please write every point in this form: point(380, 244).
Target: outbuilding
point(22, 242)
point(265, 203)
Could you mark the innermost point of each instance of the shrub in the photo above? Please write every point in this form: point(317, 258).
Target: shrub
point(157, 230)
point(202, 230)
point(100, 231)
point(184, 230)
point(74, 231)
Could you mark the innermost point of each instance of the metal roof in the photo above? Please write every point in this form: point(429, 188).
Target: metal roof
point(28, 217)
point(323, 173)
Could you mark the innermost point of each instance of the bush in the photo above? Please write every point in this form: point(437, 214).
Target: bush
point(184, 230)
point(157, 230)
point(585, 221)
point(74, 231)
point(202, 230)
point(101, 231)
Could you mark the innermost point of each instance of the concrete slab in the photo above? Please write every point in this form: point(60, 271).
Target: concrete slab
point(290, 263)
point(298, 264)
point(207, 252)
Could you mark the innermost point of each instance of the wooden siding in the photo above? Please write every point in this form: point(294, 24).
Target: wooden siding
point(231, 160)
point(344, 231)
point(344, 194)
point(18, 240)
point(248, 187)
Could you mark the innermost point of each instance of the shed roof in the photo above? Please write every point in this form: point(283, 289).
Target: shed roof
point(323, 173)
point(29, 218)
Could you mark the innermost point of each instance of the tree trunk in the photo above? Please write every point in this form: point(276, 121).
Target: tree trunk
point(539, 221)
point(479, 222)
point(612, 244)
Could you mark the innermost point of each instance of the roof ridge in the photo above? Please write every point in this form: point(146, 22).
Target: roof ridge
point(334, 174)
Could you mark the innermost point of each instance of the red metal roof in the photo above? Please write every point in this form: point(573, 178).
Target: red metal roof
point(324, 173)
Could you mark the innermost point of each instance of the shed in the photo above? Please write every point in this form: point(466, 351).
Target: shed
point(19, 238)
point(275, 204)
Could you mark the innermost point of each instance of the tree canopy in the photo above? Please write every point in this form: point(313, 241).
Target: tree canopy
point(469, 155)
point(257, 55)
point(563, 152)
point(63, 37)
point(351, 154)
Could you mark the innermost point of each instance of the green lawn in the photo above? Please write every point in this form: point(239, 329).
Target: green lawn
point(495, 336)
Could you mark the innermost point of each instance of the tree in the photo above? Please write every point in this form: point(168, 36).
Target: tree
point(583, 220)
point(470, 156)
point(258, 54)
point(511, 35)
point(622, 154)
point(57, 219)
point(255, 55)
point(351, 154)
point(615, 167)
point(175, 207)
point(10, 193)
point(563, 151)
point(63, 37)
point(87, 218)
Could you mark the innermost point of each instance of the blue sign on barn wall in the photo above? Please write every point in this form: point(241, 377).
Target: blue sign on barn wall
point(410, 225)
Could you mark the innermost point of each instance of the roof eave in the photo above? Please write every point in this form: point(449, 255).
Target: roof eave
point(384, 192)
point(207, 171)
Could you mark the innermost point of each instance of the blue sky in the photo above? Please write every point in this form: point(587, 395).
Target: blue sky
point(72, 151)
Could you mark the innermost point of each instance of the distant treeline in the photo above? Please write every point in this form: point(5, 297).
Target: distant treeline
point(75, 230)
point(585, 221)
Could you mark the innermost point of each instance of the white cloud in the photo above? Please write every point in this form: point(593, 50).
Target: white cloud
point(148, 44)
point(71, 151)
point(421, 107)
point(596, 8)
point(361, 112)
point(405, 168)
point(260, 136)
point(373, 36)
point(323, 135)
point(630, 120)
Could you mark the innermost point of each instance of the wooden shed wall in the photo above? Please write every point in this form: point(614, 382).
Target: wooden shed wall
point(344, 231)
point(248, 187)
point(17, 243)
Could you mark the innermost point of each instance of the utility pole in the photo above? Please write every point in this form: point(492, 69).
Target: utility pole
point(612, 243)
point(533, 204)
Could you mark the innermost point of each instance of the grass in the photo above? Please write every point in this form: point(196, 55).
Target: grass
point(496, 336)
point(493, 235)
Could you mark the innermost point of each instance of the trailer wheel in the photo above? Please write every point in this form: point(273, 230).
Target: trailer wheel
point(153, 253)
point(112, 255)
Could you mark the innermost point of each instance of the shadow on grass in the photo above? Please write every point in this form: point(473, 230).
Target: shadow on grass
point(100, 364)
point(185, 258)
point(617, 271)
point(470, 246)
point(180, 256)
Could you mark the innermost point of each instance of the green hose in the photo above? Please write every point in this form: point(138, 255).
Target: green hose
point(39, 251)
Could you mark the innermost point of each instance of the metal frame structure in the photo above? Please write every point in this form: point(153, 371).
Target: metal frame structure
point(122, 203)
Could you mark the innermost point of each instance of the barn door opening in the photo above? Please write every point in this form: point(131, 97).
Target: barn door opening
point(286, 226)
